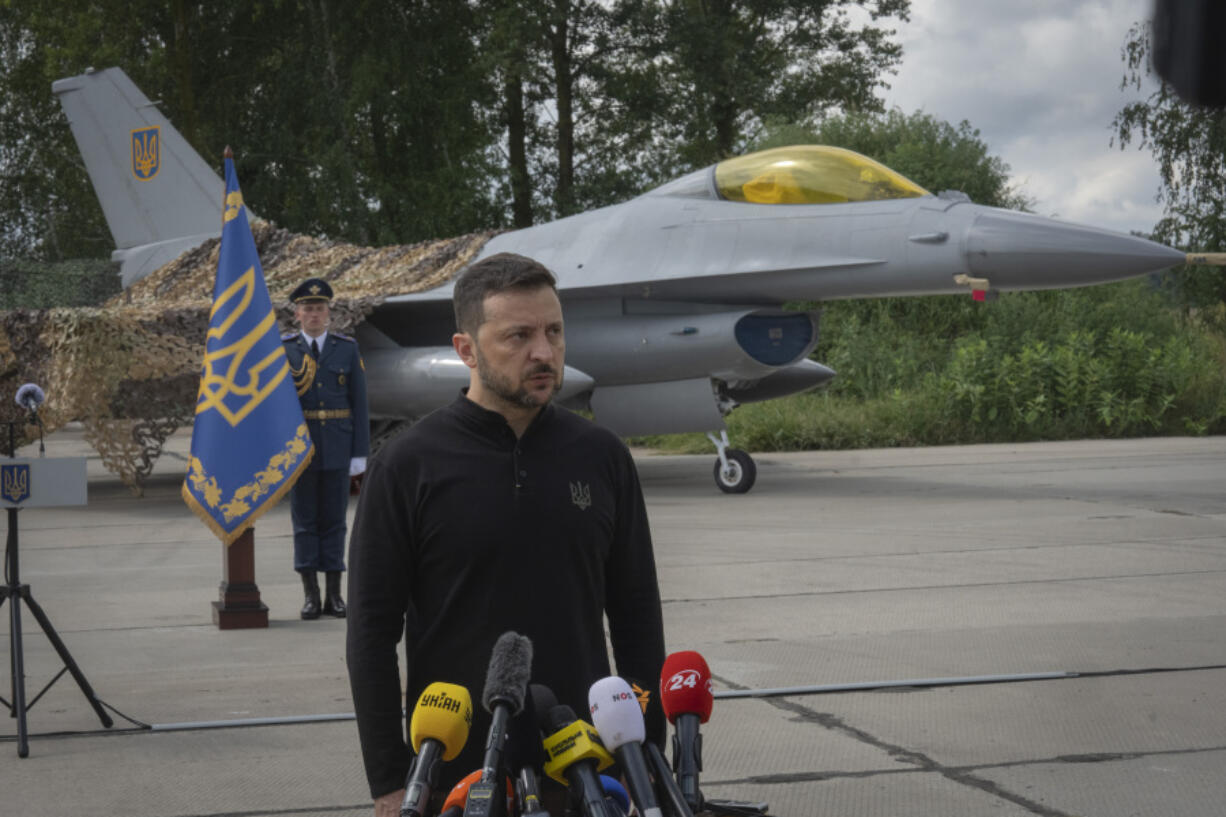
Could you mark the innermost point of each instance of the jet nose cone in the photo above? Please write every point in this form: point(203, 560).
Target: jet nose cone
point(1024, 251)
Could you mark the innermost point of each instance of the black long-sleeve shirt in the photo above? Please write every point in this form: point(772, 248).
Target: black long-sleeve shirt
point(464, 532)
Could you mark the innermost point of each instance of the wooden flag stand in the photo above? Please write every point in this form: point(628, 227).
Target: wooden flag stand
point(240, 607)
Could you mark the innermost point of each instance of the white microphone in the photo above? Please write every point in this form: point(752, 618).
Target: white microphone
point(618, 718)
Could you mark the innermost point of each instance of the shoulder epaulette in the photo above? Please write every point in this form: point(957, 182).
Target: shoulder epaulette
point(343, 337)
point(289, 336)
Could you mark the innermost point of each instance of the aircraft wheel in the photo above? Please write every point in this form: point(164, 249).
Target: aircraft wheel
point(741, 473)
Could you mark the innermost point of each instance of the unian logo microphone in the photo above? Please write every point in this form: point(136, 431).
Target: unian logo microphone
point(441, 701)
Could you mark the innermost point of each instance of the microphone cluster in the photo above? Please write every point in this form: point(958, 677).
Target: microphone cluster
point(531, 733)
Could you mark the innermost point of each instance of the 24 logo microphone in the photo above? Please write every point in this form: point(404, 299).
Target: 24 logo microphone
point(686, 679)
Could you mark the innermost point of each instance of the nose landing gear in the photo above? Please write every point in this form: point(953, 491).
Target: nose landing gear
point(735, 470)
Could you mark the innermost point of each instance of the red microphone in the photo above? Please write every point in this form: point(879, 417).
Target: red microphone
point(685, 695)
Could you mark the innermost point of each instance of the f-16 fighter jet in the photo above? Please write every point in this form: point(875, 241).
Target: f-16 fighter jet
point(674, 299)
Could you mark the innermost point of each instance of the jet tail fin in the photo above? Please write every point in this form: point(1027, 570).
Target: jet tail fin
point(159, 197)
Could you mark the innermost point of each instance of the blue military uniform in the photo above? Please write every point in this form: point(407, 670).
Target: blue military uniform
point(332, 391)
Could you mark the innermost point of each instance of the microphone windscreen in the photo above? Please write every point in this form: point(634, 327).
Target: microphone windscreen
point(524, 749)
point(558, 717)
point(30, 396)
point(543, 699)
point(613, 788)
point(685, 686)
point(444, 712)
point(509, 670)
point(616, 712)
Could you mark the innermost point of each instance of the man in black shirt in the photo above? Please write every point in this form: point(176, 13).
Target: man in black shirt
point(499, 512)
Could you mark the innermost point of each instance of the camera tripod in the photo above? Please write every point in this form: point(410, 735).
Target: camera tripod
point(16, 593)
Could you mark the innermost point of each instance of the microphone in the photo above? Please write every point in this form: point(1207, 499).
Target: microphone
point(671, 800)
point(618, 718)
point(454, 805)
point(30, 397)
point(505, 683)
point(575, 756)
point(525, 754)
point(615, 794)
point(685, 694)
point(438, 731)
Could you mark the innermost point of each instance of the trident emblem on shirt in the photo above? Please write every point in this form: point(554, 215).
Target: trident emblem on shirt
point(581, 495)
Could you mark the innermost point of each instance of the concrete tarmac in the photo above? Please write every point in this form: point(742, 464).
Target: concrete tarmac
point(1101, 561)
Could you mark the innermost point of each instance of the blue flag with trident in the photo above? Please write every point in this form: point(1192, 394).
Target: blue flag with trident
point(249, 441)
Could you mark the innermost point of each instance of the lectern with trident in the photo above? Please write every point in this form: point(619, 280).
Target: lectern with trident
point(27, 483)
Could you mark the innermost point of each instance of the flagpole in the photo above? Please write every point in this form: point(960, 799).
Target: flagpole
point(250, 441)
point(240, 607)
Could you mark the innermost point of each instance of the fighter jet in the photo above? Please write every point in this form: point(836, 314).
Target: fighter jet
point(674, 299)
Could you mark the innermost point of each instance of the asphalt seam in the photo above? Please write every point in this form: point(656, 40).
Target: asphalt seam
point(963, 775)
point(974, 537)
point(919, 759)
point(922, 761)
point(1089, 757)
point(925, 587)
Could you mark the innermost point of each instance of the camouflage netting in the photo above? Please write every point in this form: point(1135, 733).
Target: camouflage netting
point(129, 370)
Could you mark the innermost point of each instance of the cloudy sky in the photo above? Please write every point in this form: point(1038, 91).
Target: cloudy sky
point(1040, 80)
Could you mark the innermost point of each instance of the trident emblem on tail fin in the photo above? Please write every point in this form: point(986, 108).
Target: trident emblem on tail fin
point(146, 153)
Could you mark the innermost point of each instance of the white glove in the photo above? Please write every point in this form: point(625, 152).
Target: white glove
point(357, 465)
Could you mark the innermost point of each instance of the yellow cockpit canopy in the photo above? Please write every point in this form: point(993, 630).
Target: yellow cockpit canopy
point(810, 174)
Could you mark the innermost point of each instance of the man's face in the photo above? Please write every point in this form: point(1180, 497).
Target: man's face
point(313, 316)
point(520, 346)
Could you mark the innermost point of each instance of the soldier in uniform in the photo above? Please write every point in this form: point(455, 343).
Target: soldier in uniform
point(331, 381)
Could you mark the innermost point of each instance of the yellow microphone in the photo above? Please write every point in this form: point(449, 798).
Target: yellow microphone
point(575, 756)
point(438, 731)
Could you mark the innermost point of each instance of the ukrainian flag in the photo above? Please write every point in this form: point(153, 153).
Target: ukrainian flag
point(249, 441)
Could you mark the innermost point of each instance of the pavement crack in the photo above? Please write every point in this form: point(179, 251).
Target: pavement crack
point(919, 760)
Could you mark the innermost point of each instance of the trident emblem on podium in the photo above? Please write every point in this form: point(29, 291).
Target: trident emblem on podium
point(15, 482)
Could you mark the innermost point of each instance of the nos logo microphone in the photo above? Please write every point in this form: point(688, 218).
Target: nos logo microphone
point(614, 698)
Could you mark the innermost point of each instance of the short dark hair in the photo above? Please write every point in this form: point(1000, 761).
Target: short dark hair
point(490, 276)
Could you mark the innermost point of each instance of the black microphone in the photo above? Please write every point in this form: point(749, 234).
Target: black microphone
point(505, 683)
point(575, 758)
point(618, 718)
point(672, 801)
point(525, 754)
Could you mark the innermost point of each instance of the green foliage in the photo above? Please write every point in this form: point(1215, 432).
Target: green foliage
point(1188, 143)
point(1125, 383)
point(40, 285)
point(1108, 361)
point(362, 121)
point(378, 122)
point(706, 76)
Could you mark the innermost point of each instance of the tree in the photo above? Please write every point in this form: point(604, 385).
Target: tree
point(364, 121)
point(1189, 144)
point(724, 67)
